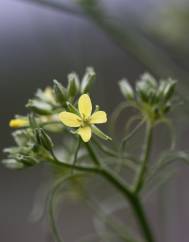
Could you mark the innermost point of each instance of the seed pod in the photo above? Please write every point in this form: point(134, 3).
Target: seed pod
point(99, 133)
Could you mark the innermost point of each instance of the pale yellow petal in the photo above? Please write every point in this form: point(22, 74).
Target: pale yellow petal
point(98, 117)
point(85, 105)
point(85, 133)
point(70, 119)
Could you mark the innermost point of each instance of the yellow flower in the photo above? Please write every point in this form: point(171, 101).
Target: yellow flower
point(18, 123)
point(85, 118)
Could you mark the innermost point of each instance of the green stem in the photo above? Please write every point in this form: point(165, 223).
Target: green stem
point(142, 220)
point(131, 134)
point(52, 222)
point(146, 154)
point(92, 154)
point(133, 200)
point(118, 182)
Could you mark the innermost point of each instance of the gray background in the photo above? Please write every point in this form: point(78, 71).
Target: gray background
point(38, 44)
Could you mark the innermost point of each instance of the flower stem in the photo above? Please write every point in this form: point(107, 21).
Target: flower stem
point(52, 222)
point(119, 183)
point(133, 199)
point(146, 153)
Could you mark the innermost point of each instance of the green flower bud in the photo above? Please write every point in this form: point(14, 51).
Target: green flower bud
point(88, 80)
point(167, 108)
point(12, 164)
point(32, 121)
point(60, 93)
point(39, 107)
point(142, 90)
point(149, 80)
point(169, 89)
point(126, 89)
point(72, 109)
point(26, 160)
point(73, 85)
point(43, 139)
point(22, 137)
point(161, 88)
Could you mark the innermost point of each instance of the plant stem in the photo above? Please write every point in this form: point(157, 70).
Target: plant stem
point(52, 222)
point(118, 182)
point(145, 157)
point(133, 200)
point(92, 154)
point(141, 217)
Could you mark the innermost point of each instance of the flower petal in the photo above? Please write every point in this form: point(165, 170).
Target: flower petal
point(85, 105)
point(98, 117)
point(85, 133)
point(70, 119)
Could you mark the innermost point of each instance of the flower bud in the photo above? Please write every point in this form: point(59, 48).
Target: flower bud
point(149, 80)
point(73, 85)
point(32, 121)
point(169, 89)
point(26, 160)
point(72, 109)
point(60, 93)
point(39, 107)
point(88, 80)
point(142, 90)
point(12, 164)
point(18, 122)
point(126, 89)
point(43, 139)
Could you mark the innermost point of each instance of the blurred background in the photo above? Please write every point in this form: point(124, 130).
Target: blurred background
point(41, 40)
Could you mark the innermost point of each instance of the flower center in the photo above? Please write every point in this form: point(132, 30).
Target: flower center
point(85, 121)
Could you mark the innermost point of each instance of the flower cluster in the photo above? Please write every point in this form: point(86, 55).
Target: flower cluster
point(53, 110)
point(69, 109)
point(152, 98)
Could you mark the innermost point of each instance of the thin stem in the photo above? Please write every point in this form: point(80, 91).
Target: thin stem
point(105, 149)
point(52, 222)
point(130, 135)
point(59, 6)
point(146, 153)
point(118, 182)
point(92, 154)
point(76, 151)
point(52, 197)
